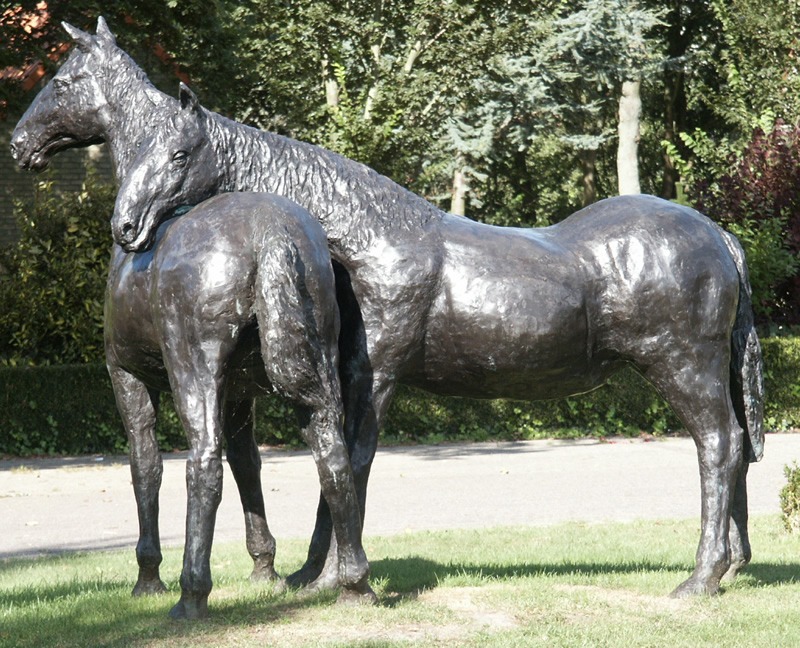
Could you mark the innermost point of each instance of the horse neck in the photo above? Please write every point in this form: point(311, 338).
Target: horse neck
point(352, 202)
point(133, 106)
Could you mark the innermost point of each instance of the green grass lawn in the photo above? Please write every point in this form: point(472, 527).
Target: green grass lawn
point(566, 585)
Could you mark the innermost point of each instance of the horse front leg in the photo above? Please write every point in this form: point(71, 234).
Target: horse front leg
point(245, 462)
point(138, 407)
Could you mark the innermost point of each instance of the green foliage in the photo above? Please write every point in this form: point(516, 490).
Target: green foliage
point(756, 194)
point(769, 260)
point(790, 498)
point(53, 278)
point(58, 410)
point(781, 372)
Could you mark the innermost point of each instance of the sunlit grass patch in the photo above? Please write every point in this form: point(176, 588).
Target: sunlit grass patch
point(566, 585)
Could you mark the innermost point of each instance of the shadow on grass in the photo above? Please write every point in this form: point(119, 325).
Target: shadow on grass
point(101, 612)
point(411, 575)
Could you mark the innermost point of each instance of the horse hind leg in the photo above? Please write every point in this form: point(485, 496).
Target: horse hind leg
point(299, 326)
point(138, 407)
point(245, 462)
point(738, 537)
point(700, 395)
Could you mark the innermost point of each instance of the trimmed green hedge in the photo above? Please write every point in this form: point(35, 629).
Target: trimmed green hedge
point(70, 410)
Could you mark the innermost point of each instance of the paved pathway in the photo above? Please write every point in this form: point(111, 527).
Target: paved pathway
point(55, 505)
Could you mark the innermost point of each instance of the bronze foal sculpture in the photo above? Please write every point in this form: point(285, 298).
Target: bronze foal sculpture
point(457, 307)
point(236, 297)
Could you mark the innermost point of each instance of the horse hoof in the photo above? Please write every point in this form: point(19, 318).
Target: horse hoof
point(319, 586)
point(733, 571)
point(149, 587)
point(695, 587)
point(364, 595)
point(304, 576)
point(189, 610)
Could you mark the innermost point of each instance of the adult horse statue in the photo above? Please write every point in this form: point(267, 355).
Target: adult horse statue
point(456, 307)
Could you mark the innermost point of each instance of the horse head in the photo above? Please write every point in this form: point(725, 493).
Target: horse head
point(71, 110)
point(175, 166)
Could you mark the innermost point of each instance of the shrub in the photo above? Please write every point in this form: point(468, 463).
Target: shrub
point(790, 498)
point(758, 199)
point(71, 410)
point(52, 280)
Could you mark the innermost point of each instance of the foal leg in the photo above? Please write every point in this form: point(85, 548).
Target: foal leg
point(197, 394)
point(356, 397)
point(138, 407)
point(245, 462)
point(350, 568)
point(362, 443)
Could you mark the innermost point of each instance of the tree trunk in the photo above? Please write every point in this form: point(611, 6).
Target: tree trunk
point(330, 84)
point(458, 200)
point(588, 160)
point(630, 109)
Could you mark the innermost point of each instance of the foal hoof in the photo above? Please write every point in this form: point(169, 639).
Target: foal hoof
point(265, 574)
point(190, 609)
point(695, 587)
point(364, 595)
point(277, 584)
point(148, 587)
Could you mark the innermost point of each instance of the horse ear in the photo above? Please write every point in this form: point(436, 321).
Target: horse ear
point(188, 98)
point(81, 38)
point(104, 32)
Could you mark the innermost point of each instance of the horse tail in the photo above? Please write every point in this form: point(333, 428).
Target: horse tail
point(747, 367)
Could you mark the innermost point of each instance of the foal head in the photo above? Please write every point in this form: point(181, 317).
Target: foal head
point(72, 109)
point(175, 166)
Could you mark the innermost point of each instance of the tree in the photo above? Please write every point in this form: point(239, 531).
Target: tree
point(606, 51)
point(193, 40)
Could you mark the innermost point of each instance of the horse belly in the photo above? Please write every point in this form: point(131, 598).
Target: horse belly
point(515, 338)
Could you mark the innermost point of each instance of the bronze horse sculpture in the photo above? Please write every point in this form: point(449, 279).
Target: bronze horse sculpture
point(454, 306)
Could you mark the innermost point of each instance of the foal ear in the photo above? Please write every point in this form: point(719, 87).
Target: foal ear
point(81, 38)
point(104, 33)
point(188, 98)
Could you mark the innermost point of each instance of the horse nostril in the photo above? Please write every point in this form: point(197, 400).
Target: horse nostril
point(125, 231)
point(14, 151)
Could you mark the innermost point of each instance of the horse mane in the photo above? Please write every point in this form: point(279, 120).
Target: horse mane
point(352, 201)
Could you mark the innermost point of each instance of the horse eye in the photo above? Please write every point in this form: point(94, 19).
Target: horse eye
point(180, 158)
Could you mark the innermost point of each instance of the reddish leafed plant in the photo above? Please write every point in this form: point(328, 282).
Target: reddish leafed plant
point(759, 199)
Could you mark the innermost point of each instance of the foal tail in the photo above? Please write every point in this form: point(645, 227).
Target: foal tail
point(747, 368)
point(298, 318)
